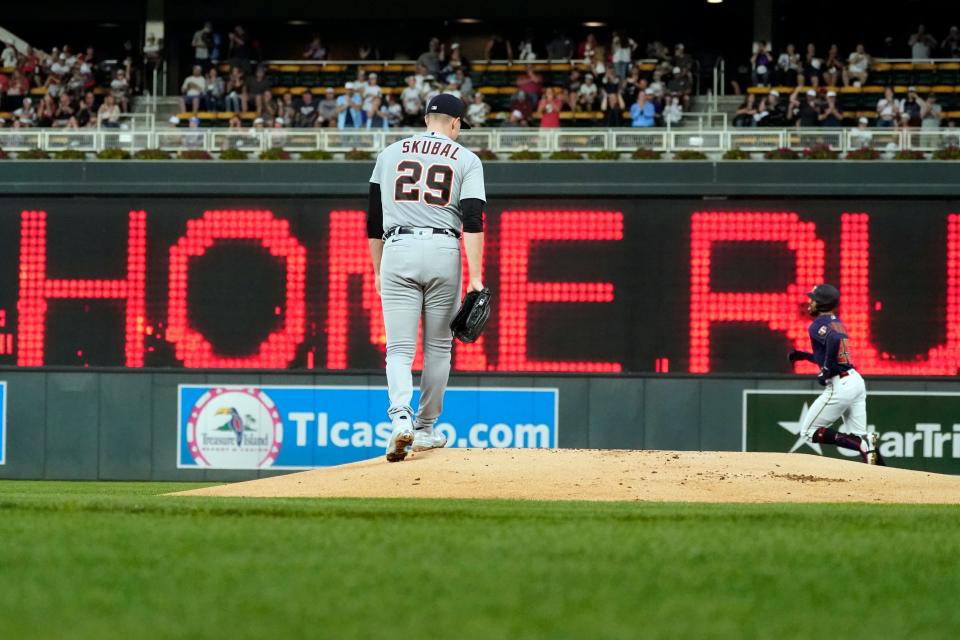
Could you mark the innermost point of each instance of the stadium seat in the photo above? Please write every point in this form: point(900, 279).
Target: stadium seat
point(902, 73)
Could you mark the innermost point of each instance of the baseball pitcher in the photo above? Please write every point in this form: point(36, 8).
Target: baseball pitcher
point(426, 191)
point(845, 396)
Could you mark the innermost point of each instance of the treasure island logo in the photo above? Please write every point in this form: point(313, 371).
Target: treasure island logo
point(235, 429)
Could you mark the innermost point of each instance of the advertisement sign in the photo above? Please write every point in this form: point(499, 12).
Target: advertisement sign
point(918, 430)
point(280, 427)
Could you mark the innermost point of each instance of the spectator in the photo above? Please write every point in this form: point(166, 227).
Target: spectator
point(46, 111)
point(120, 90)
point(269, 108)
point(65, 111)
point(950, 47)
point(611, 102)
point(573, 89)
point(349, 109)
point(789, 67)
point(833, 67)
point(811, 66)
point(465, 83)
point(657, 85)
point(287, 109)
point(887, 109)
point(327, 109)
point(744, 117)
point(216, 91)
point(904, 122)
point(860, 138)
point(549, 109)
point(622, 53)
point(202, 44)
point(8, 58)
point(673, 112)
point(152, 54)
point(890, 49)
point(642, 112)
point(371, 91)
point(432, 57)
point(360, 82)
point(761, 64)
point(587, 48)
point(587, 95)
point(632, 86)
point(394, 110)
point(376, 115)
point(26, 115)
point(478, 111)
point(516, 120)
point(521, 102)
point(931, 117)
point(235, 122)
point(315, 50)
point(86, 112)
point(430, 89)
point(803, 109)
point(498, 48)
point(192, 89)
point(19, 84)
point(681, 58)
point(921, 44)
point(681, 84)
point(456, 62)
point(453, 89)
point(525, 48)
point(237, 96)
point(830, 115)
point(931, 114)
point(239, 51)
point(109, 113)
point(306, 115)
point(912, 107)
point(858, 64)
point(560, 47)
point(530, 82)
point(257, 85)
point(412, 103)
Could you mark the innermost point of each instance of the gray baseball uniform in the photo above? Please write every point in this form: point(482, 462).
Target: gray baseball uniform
point(422, 181)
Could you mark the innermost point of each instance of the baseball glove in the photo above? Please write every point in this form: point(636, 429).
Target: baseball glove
point(472, 316)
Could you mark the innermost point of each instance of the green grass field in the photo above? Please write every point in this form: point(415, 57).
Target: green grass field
point(105, 560)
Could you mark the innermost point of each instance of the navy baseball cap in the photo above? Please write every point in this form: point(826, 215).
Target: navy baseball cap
point(451, 105)
point(824, 294)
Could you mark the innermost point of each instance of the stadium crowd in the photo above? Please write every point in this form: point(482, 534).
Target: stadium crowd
point(613, 83)
point(62, 88)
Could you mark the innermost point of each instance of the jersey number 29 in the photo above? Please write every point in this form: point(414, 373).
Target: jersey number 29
point(438, 183)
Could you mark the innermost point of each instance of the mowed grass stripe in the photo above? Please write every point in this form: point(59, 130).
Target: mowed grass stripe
point(94, 560)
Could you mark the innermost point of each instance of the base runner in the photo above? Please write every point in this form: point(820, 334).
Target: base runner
point(845, 396)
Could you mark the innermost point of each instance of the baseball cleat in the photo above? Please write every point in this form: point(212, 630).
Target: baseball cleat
point(427, 438)
point(872, 454)
point(400, 438)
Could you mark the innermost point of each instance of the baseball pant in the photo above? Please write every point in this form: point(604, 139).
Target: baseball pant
point(419, 277)
point(844, 398)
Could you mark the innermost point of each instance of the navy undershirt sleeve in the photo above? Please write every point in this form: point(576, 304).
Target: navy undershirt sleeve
point(375, 213)
point(472, 209)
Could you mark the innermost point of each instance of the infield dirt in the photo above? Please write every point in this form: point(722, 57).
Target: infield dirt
point(581, 474)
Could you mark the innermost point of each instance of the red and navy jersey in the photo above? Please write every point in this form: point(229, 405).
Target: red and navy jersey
point(831, 351)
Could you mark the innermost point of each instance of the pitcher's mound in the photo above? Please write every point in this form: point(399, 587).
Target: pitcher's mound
point(576, 474)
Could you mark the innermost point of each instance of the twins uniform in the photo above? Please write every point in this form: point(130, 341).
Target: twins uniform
point(422, 182)
point(845, 396)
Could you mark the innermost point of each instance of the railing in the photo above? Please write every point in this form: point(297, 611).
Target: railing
point(719, 82)
point(505, 140)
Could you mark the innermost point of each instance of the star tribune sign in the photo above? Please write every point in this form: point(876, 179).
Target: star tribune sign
point(238, 428)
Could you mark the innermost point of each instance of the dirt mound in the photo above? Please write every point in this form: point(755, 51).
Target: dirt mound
point(577, 474)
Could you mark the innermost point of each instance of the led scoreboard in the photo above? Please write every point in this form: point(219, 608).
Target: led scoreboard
point(600, 285)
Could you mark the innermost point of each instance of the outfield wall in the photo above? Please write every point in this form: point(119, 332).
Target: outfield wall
point(123, 425)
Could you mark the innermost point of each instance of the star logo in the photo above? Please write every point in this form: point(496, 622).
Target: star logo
point(794, 429)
